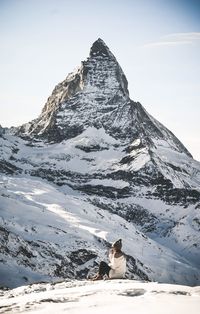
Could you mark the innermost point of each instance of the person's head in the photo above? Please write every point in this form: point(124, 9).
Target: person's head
point(117, 245)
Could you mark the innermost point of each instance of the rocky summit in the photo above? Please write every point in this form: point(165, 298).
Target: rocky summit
point(93, 167)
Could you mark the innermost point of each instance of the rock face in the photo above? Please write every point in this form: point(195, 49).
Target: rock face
point(117, 159)
point(95, 99)
point(96, 95)
point(85, 98)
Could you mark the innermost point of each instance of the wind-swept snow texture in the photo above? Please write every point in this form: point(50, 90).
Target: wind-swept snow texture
point(101, 297)
point(92, 168)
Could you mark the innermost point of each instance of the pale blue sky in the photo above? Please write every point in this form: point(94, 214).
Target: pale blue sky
point(157, 43)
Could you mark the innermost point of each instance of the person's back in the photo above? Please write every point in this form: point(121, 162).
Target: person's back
point(117, 265)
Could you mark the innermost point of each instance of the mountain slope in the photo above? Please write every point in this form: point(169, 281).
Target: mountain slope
point(96, 155)
point(45, 233)
point(96, 95)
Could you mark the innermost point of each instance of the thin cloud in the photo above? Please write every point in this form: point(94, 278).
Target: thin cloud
point(175, 40)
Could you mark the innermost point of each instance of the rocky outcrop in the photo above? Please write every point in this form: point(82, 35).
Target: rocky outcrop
point(93, 138)
point(96, 95)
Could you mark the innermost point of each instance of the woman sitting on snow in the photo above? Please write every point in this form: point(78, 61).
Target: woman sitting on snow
point(117, 266)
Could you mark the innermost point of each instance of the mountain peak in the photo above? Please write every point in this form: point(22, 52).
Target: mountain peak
point(96, 95)
point(99, 48)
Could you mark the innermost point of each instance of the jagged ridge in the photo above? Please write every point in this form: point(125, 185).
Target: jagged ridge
point(92, 137)
point(97, 95)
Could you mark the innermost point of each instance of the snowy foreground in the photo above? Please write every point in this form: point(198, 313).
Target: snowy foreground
point(101, 297)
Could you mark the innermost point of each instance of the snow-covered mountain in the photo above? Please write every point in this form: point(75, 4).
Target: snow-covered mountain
point(94, 167)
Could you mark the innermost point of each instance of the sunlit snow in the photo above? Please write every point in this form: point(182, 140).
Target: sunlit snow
point(102, 297)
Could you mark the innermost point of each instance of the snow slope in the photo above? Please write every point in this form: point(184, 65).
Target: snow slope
point(50, 232)
point(93, 167)
point(101, 297)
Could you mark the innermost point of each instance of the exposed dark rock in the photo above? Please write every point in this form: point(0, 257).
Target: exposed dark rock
point(135, 269)
point(137, 151)
point(8, 168)
point(81, 256)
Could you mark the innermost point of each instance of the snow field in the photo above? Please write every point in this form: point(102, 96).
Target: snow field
point(102, 297)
